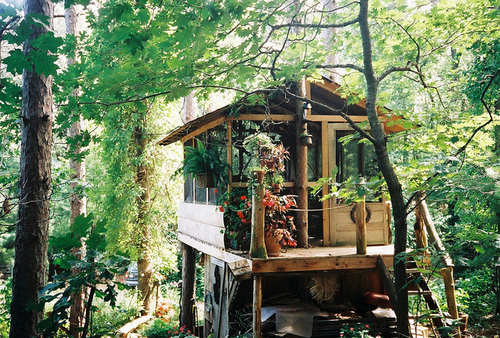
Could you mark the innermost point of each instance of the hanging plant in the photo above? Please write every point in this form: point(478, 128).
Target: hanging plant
point(206, 163)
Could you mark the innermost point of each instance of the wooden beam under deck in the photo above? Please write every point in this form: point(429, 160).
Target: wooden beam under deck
point(323, 259)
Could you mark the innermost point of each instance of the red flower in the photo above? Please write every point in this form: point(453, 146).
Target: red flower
point(240, 214)
point(221, 209)
point(215, 191)
point(243, 197)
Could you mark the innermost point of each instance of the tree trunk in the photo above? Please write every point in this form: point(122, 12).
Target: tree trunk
point(144, 268)
point(30, 262)
point(188, 286)
point(190, 109)
point(393, 184)
point(329, 41)
point(78, 203)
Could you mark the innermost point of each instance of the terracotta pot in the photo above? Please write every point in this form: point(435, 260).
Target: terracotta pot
point(273, 247)
point(276, 188)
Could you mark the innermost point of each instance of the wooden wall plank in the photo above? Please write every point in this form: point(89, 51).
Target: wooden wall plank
point(201, 213)
point(208, 249)
point(203, 232)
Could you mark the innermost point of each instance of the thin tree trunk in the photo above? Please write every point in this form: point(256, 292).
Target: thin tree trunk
point(188, 286)
point(329, 40)
point(144, 283)
point(393, 184)
point(30, 262)
point(190, 109)
point(78, 203)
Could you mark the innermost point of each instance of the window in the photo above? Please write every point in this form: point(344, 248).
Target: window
point(355, 157)
point(193, 193)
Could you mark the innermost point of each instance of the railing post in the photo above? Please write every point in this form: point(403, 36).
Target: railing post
point(361, 226)
point(257, 244)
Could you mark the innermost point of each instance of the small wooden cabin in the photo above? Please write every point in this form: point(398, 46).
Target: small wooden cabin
point(241, 291)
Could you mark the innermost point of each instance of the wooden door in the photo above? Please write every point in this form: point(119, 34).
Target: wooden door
point(352, 160)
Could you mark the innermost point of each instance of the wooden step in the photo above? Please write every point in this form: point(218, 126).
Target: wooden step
point(419, 331)
point(419, 293)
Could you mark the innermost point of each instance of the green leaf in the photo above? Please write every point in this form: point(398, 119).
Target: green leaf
point(47, 42)
point(43, 62)
point(16, 62)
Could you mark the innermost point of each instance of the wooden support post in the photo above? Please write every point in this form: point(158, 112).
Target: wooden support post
point(431, 229)
point(361, 227)
point(301, 220)
point(326, 187)
point(420, 233)
point(257, 306)
point(186, 317)
point(449, 287)
point(257, 244)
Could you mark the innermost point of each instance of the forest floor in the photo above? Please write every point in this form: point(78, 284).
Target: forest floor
point(491, 330)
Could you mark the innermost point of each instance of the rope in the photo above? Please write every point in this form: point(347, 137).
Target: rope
point(322, 209)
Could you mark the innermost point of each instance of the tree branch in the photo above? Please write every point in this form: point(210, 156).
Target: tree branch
point(485, 105)
point(345, 65)
point(312, 25)
point(391, 70)
point(7, 25)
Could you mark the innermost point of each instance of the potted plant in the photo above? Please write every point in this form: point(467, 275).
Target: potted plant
point(206, 164)
point(278, 224)
point(276, 182)
point(237, 209)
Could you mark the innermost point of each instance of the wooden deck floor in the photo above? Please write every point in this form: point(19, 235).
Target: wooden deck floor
point(297, 260)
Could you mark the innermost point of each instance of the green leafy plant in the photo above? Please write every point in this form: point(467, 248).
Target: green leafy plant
point(276, 181)
point(161, 329)
point(5, 296)
point(205, 160)
point(107, 319)
point(95, 270)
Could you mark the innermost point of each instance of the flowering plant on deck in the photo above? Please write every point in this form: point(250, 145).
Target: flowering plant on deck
point(277, 221)
point(237, 209)
point(356, 331)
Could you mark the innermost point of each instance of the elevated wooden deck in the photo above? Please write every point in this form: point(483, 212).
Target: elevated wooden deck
point(296, 260)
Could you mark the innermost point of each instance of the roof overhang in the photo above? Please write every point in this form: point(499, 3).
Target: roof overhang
point(325, 91)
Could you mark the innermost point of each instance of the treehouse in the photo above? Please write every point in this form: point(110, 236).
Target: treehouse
point(333, 271)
